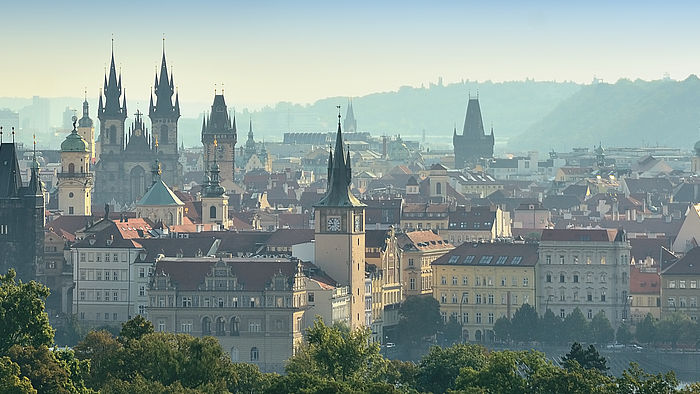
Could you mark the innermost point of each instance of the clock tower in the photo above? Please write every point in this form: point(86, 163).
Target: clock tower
point(340, 232)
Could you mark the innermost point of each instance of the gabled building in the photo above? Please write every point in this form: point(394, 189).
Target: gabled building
point(417, 250)
point(219, 137)
point(679, 286)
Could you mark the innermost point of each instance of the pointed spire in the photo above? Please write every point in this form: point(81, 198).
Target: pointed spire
point(204, 123)
point(124, 106)
point(250, 129)
point(348, 168)
point(177, 103)
point(151, 108)
point(330, 165)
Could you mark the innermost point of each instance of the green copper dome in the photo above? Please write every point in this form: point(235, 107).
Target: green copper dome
point(74, 142)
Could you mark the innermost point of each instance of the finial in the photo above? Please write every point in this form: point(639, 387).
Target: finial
point(13, 134)
point(222, 88)
point(163, 42)
point(156, 144)
point(216, 143)
point(0, 134)
point(214, 89)
point(85, 93)
point(477, 93)
point(338, 106)
point(75, 120)
point(112, 43)
point(34, 137)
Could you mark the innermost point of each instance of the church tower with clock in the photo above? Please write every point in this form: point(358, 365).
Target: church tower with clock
point(340, 231)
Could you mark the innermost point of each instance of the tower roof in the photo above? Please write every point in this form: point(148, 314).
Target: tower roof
point(112, 91)
point(74, 142)
point(473, 124)
point(164, 89)
point(338, 193)
point(10, 178)
point(85, 121)
point(219, 121)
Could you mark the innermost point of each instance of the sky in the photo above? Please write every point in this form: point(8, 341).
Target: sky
point(264, 52)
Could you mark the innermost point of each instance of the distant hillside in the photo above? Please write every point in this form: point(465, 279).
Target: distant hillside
point(512, 107)
point(638, 113)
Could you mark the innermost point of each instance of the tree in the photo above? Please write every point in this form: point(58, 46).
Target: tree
point(500, 375)
point(342, 355)
point(69, 331)
point(136, 328)
point(419, 317)
point(673, 327)
point(23, 320)
point(439, 368)
point(452, 333)
point(49, 374)
point(635, 380)
point(104, 353)
point(586, 359)
point(623, 334)
point(551, 328)
point(501, 328)
point(11, 382)
point(646, 329)
point(576, 327)
point(601, 330)
point(524, 324)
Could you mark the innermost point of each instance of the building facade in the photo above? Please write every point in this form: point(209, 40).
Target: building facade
point(679, 286)
point(417, 250)
point(586, 269)
point(75, 180)
point(477, 283)
point(219, 137)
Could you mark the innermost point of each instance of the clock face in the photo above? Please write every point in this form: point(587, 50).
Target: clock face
point(333, 224)
point(358, 223)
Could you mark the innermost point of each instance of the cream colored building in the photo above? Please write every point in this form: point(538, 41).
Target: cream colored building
point(384, 272)
point(417, 250)
point(679, 286)
point(477, 283)
point(75, 179)
point(473, 224)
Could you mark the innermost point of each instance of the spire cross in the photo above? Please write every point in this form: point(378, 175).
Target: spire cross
point(0, 134)
point(13, 134)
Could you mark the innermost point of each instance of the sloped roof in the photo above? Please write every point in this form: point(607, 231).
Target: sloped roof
point(686, 265)
point(581, 234)
point(422, 240)
point(159, 194)
point(493, 254)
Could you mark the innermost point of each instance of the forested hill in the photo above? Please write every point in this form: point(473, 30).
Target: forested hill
point(629, 113)
point(513, 107)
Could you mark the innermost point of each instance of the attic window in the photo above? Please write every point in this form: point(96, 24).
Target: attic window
point(468, 259)
point(485, 260)
point(453, 259)
point(516, 260)
point(502, 260)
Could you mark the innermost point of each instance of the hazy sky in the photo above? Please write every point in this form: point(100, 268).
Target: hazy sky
point(270, 51)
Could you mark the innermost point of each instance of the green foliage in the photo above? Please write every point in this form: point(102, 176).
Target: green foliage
point(601, 329)
point(586, 359)
point(576, 327)
point(502, 328)
point(49, 373)
point(69, 331)
point(11, 382)
point(524, 324)
point(673, 327)
point(452, 332)
point(136, 328)
point(551, 329)
point(646, 329)
point(23, 320)
point(635, 380)
point(623, 334)
point(103, 352)
point(439, 368)
point(419, 318)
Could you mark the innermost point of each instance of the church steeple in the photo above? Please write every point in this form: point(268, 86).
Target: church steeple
point(112, 108)
point(164, 89)
point(340, 177)
point(350, 124)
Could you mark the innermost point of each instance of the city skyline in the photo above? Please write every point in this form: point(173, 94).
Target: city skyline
point(272, 52)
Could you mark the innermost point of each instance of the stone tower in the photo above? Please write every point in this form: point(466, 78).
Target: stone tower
point(164, 115)
point(75, 179)
point(86, 129)
point(340, 231)
point(214, 199)
point(219, 126)
point(474, 144)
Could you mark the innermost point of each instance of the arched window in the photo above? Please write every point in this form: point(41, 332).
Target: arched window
point(234, 354)
point(163, 134)
point(254, 354)
point(71, 168)
point(234, 326)
point(212, 212)
point(112, 134)
point(220, 326)
point(206, 326)
point(438, 188)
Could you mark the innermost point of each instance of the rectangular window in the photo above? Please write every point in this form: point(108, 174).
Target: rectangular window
point(83, 274)
point(410, 262)
point(98, 275)
point(82, 257)
point(443, 280)
point(454, 280)
point(561, 259)
point(526, 282)
point(693, 284)
point(115, 316)
point(142, 309)
point(106, 316)
point(454, 298)
point(465, 317)
point(107, 257)
point(681, 284)
point(548, 278)
point(142, 272)
point(575, 278)
point(561, 278)
point(478, 317)
point(503, 281)
point(590, 313)
point(490, 298)
point(311, 297)
point(490, 318)
point(161, 325)
point(115, 296)
point(412, 283)
point(671, 302)
point(548, 259)
point(602, 296)
point(142, 291)
point(82, 295)
point(562, 313)
point(115, 275)
point(98, 296)
point(465, 281)
point(107, 296)
point(478, 298)
point(443, 298)
point(187, 302)
point(671, 284)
